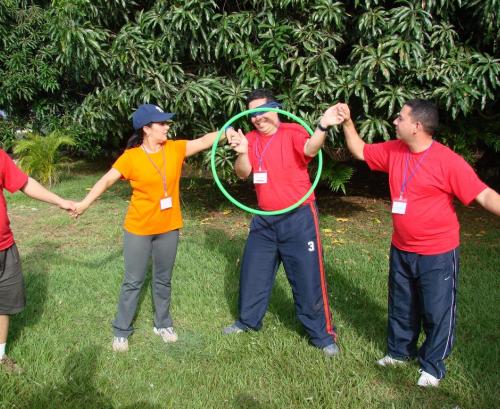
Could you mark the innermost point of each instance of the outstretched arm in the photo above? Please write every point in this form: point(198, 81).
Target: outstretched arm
point(353, 140)
point(490, 200)
point(35, 190)
point(97, 190)
point(200, 144)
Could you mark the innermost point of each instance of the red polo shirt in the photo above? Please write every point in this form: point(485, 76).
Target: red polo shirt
point(430, 223)
point(282, 156)
point(11, 178)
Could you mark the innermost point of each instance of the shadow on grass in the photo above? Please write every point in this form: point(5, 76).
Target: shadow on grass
point(245, 401)
point(202, 194)
point(476, 353)
point(232, 250)
point(357, 306)
point(217, 240)
point(96, 263)
point(366, 316)
point(79, 390)
point(35, 270)
point(36, 266)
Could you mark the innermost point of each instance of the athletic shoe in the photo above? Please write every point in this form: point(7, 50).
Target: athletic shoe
point(331, 350)
point(120, 344)
point(10, 366)
point(390, 361)
point(167, 334)
point(426, 379)
point(232, 329)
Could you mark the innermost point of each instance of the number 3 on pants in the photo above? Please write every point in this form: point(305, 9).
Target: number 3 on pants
point(310, 245)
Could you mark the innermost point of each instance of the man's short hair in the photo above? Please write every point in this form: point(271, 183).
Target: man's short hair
point(261, 93)
point(425, 112)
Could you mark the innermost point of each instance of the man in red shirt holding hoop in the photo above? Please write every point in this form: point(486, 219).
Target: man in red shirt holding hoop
point(276, 154)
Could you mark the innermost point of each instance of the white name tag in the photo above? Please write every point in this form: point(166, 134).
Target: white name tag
point(260, 177)
point(165, 203)
point(399, 206)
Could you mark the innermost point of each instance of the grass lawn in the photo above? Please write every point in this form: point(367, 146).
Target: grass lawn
point(73, 270)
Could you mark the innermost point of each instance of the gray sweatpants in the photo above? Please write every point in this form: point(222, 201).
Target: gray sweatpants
point(136, 252)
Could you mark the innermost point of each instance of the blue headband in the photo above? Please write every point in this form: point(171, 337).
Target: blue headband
point(270, 104)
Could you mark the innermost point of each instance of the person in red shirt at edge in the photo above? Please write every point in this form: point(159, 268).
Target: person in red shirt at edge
point(277, 154)
point(12, 293)
point(424, 177)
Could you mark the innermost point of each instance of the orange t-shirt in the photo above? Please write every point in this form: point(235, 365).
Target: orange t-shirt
point(144, 216)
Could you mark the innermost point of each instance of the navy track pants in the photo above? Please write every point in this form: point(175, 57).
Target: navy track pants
point(422, 292)
point(294, 240)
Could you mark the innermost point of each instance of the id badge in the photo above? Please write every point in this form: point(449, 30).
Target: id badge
point(260, 177)
point(399, 206)
point(165, 203)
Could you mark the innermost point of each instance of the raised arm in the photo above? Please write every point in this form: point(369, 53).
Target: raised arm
point(331, 117)
point(200, 144)
point(97, 190)
point(35, 190)
point(490, 200)
point(354, 143)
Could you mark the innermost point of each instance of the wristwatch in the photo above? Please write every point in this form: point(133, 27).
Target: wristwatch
point(321, 128)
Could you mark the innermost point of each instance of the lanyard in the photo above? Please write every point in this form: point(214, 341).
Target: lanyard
point(162, 175)
point(260, 156)
point(413, 171)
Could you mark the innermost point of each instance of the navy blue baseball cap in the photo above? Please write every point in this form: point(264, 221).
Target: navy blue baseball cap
point(270, 104)
point(147, 113)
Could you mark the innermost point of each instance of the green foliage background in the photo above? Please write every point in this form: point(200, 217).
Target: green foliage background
point(86, 64)
point(39, 155)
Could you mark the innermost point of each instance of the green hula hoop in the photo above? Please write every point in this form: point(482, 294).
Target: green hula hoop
point(241, 205)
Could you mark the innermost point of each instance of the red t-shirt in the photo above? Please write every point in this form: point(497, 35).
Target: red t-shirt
point(11, 178)
point(430, 223)
point(282, 156)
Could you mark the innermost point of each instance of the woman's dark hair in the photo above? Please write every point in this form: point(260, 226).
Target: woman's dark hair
point(261, 93)
point(136, 139)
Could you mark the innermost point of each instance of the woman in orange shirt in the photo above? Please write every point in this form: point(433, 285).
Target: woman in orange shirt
point(152, 164)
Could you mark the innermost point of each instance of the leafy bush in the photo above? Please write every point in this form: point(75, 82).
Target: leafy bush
point(7, 135)
point(40, 155)
point(224, 163)
point(336, 175)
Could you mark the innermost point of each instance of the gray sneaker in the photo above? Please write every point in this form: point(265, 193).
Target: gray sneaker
point(331, 350)
point(390, 361)
point(120, 344)
point(167, 334)
point(232, 329)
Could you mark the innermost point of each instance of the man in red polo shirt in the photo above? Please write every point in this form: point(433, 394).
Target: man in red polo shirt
point(424, 177)
point(12, 296)
point(276, 154)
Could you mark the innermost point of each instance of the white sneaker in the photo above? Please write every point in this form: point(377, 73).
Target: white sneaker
point(426, 379)
point(167, 334)
point(389, 361)
point(120, 344)
point(232, 329)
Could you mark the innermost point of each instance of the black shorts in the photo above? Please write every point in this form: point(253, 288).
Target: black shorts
point(12, 294)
